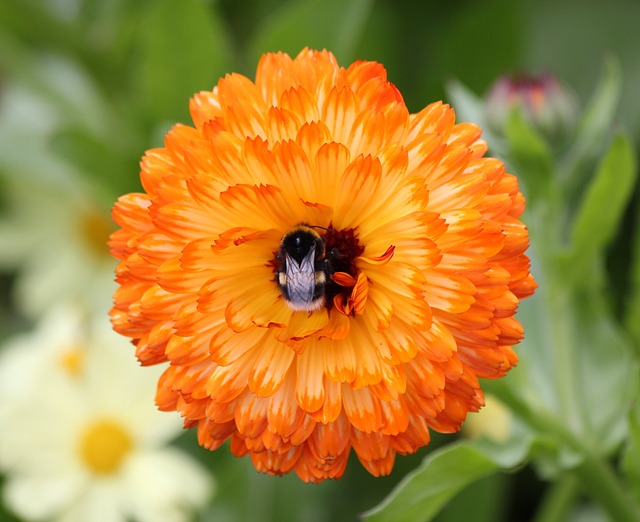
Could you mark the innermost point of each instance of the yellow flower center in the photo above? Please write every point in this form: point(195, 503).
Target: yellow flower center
point(72, 360)
point(104, 446)
point(94, 231)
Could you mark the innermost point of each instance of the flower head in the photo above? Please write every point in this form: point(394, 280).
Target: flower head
point(53, 223)
point(74, 446)
point(543, 100)
point(323, 270)
point(62, 257)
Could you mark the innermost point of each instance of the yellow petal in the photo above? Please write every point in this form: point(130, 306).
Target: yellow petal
point(309, 384)
point(270, 368)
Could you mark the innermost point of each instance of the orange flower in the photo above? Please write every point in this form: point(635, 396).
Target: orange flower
point(394, 291)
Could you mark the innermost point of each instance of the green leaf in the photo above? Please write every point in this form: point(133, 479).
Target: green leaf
point(632, 311)
point(335, 25)
point(32, 22)
point(530, 156)
point(443, 474)
point(632, 306)
point(605, 201)
point(184, 49)
point(605, 369)
point(468, 105)
point(107, 168)
point(594, 127)
point(631, 454)
point(576, 363)
point(471, 108)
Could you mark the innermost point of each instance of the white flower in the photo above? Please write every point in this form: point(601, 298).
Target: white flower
point(55, 236)
point(53, 228)
point(80, 439)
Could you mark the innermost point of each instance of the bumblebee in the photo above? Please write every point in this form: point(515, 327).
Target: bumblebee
point(303, 269)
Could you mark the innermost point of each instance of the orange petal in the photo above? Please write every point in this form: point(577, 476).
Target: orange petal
point(358, 299)
point(379, 310)
point(361, 178)
point(251, 415)
point(227, 382)
point(310, 468)
point(380, 467)
point(298, 100)
point(221, 412)
point(212, 435)
point(227, 346)
point(270, 368)
point(282, 124)
point(204, 106)
point(338, 113)
point(393, 383)
point(361, 408)
point(274, 76)
point(332, 406)
point(304, 431)
point(337, 327)
point(276, 463)
point(309, 384)
point(416, 436)
point(367, 135)
point(368, 364)
point(395, 416)
point(383, 259)
point(284, 414)
point(370, 446)
point(340, 363)
point(294, 173)
point(356, 302)
point(400, 343)
point(343, 279)
point(243, 106)
point(449, 292)
point(329, 441)
point(187, 350)
point(302, 325)
point(331, 161)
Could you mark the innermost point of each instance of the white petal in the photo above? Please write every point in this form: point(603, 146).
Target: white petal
point(37, 496)
point(167, 485)
point(102, 502)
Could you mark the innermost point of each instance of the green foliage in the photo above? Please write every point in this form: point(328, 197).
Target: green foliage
point(183, 48)
point(443, 474)
point(104, 82)
point(593, 130)
point(631, 455)
point(530, 157)
point(318, 24)
point(578, 377)
point(607, 196)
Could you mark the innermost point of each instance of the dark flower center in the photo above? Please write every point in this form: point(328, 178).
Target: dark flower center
point(341, 248)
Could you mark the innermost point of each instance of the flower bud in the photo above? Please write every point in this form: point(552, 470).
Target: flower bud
point(493, 421)
point(545, 103)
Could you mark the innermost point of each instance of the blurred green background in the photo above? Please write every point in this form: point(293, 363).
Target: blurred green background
point(110, 77)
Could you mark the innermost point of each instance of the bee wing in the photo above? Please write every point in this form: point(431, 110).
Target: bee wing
point(301, 278)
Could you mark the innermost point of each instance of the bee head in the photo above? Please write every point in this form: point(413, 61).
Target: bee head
point(299, 241)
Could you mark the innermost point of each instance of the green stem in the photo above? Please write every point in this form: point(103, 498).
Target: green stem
point(566, 376)
point(594, 472)
point(604, 486)
point(559, 500)
point(556, 309)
